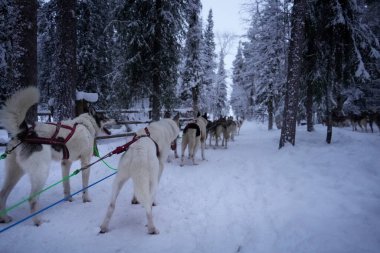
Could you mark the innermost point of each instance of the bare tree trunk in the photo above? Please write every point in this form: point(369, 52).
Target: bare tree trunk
point(309, 108)
point(195, 95)
point(270, 113)
point(295, 77)
point(25, 46)
point(328, 115)
point(156, 96)
point(67, 63)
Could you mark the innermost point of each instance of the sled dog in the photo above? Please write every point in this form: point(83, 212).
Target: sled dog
point(360, 120)
point(217, 130)
point(144, 163)
point(66, 141)
point(194, 135)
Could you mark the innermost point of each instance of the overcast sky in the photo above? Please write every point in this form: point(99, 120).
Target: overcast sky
point(228, 17)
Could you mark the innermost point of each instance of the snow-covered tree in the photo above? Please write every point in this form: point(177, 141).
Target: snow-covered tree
point(346, 54)
point(93, 47)
point(147, 38)
point(266, 56)
point(192, 73)
point(221, 106)
point(47, 45)
point(209, 65)
point(7, 26)
point(66, 71)
point(239, 97)
point(18, 47)
point(295, 75)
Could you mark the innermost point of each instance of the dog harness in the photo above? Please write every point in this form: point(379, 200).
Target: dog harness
point(193, 126)
point(32, 138)
point(135, 138)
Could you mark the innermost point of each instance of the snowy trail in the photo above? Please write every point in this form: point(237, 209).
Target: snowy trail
point(250, 197)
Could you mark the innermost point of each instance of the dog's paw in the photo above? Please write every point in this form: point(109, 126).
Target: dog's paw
point(5, 219)
point(134, 201)
point(86, 200)
point(37, 222)
point(153, 231)
point(69, 198)
point(103, 230)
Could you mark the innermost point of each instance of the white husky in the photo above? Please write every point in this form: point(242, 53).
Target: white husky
point(194, 135)
point(144, 163)
point(34, 158)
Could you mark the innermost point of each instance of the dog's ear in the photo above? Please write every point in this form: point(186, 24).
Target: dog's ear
point(91, 111)
point(198, 114)
point(176, 119)
point(205, 116)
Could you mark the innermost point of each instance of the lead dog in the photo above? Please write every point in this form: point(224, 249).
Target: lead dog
point(144, 163)
point(34, 158)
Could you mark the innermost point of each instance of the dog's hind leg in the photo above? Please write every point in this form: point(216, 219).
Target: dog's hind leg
point(203, 147)
point(145, 193)
point(12, 176)
point(38, 180)
point(151, 228)
point(116, 187)
point(85, 178)
point(183, 149)
point(65, 165)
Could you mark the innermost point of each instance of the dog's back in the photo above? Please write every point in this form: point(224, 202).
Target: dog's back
point(144, 164)
point(190, 139)
point(141, 163)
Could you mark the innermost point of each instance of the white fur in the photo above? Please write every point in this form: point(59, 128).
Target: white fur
point(140, 162)
point(37, 163)
point(16, 108)
point(190, 140)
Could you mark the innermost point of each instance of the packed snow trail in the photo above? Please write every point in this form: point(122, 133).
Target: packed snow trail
point(251, 197)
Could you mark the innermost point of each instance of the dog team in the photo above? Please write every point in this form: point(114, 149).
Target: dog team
point(358, 120)
point(32, 149)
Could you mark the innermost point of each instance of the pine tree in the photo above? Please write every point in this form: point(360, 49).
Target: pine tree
point(345, 52)
point(295, 77)
point(7, 26)
point(193, 69)
point(220, 107)
point(20, 46)
point(47, 45)
point(267, 57)
point(239, 98)
point(92, 50)
point(66, 75)
point(147, 47)
point(209, 65)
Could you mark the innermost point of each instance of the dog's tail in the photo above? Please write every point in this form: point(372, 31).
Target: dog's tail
point(12, 115)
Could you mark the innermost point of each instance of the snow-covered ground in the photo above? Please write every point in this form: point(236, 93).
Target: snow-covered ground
point(251, 197)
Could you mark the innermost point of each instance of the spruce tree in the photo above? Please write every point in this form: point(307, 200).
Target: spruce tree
point(239, 98)
point(193, 70)
point(295, 76)
point(66, 75)
point(221, 106)
point(209, 65)
point(93, 48)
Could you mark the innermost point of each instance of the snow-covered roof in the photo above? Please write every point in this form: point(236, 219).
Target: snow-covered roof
point(89, 97)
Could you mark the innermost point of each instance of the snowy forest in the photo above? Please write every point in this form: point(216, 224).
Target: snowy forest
point(300, 61)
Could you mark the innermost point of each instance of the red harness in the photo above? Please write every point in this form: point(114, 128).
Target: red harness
point(125, 147)
point(53, 140)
